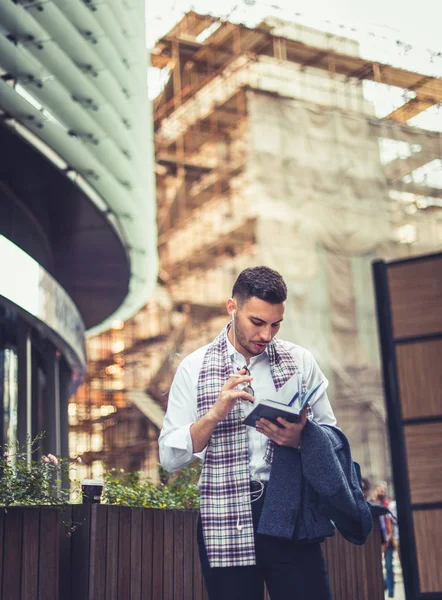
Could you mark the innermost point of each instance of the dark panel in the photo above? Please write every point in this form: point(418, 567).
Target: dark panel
point(65, 394)
point(80, 551)
point(49, 554)
point(12, 555)
point(147, 555)
point(65, 534)
point(51, 405)
point(136, 531)
point(424, 451)
point(169, 557)
point(124, 553)
point(97, 585)
point(2, 531)
point(409, 307)
point(24, 358)
point(2, 377)
point(415, 294)
point(189, 540)
point(200, 591)
point(355, 571)
point(374, 566)
point(395, 426)
point(178, 556)
point(158, 553)
point(113, 514)
point(420, 378)
point(428, 534)
point(31, 540)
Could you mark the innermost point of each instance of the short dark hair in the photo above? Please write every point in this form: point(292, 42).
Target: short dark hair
point(366, 483)
point(260, 282)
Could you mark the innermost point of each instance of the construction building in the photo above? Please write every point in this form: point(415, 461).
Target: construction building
point(268, 152)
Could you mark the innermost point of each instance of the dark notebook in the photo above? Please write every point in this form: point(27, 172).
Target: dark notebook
point(272, 409)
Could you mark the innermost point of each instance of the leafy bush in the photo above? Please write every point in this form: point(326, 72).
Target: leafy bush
point(46, 481)
point(131, 489)
point(35, 483)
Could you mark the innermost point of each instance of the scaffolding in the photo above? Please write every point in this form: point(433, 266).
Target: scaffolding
point(267, 151)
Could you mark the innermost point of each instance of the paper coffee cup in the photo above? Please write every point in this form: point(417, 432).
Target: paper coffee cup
point(91, 491)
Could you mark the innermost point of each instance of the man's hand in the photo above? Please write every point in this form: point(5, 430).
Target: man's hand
point(229, 395)
point(202, 429)
point(289, 434)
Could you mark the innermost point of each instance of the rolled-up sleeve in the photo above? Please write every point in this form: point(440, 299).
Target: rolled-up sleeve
point(175, 441)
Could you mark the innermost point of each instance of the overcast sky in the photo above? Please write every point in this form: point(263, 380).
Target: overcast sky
point(398, 32)
point(418, 24)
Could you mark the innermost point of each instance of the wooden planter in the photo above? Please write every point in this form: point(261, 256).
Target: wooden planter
point(123, 553)
point(29, 553)
point(119, 553)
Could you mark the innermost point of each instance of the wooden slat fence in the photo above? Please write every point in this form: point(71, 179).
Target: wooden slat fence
point(119, 553)
point(102, 552)
point(29, 553)
point(355, 572)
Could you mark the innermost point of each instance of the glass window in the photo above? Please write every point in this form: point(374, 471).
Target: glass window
point(10, 398)
point(96, 442)
point(73, 413)
point(97, 469)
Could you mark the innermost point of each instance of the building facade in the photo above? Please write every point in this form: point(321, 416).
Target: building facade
point(272, 154)
point(268, 152)
point(77, 199)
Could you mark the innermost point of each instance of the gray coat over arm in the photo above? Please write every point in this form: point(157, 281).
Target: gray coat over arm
point(312, 491)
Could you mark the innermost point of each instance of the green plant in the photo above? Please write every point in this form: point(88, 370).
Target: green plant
point(131, 489)
point(45, 481)
point(34, 482)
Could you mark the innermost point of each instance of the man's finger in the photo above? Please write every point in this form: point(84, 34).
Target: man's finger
point(239, 378)
point(268, 426)
point(304, 417)
point(235, 380)
point(241, 395)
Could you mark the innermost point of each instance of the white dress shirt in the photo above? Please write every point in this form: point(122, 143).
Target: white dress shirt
point(175, 441)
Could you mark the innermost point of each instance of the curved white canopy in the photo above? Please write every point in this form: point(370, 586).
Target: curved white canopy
point(75, 85)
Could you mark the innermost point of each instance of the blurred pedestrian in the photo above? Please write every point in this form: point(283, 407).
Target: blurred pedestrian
point(393, 509)
point(386, 523)
point(366, 487)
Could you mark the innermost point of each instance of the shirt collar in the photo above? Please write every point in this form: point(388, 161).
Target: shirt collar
point(235, 355)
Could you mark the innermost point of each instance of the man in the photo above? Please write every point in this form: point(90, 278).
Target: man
point(212, 392)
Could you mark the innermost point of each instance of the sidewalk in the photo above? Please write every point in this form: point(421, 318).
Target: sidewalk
point(399, 593)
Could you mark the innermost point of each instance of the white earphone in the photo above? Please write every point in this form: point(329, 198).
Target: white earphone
point(244, 498)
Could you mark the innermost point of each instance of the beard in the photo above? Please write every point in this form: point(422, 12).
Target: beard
point(242, 340)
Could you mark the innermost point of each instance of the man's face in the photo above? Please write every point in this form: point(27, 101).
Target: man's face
point(381, 492)
point(256, 322)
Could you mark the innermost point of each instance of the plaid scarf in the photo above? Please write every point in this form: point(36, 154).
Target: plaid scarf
point(225, 478)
